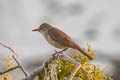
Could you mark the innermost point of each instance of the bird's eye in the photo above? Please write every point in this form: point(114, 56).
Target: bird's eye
point(41, 27)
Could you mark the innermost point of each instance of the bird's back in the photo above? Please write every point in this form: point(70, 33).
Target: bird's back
point(61, 37)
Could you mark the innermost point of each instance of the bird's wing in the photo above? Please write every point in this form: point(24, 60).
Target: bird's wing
point(60, 37)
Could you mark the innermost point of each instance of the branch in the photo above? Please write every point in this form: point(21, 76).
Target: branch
point(9, 49)
point(49, 67)
point(21, 66)
point(49, 75)
point(35, 73)
point(11, 69)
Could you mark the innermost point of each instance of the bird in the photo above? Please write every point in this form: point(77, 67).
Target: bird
point(58, 38)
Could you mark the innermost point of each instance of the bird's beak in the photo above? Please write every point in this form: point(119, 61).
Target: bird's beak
point(35, 29)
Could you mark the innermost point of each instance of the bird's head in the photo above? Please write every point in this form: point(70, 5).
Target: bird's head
point(42, 28)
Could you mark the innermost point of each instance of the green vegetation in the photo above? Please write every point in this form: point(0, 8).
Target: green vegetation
point(65, 68)
point(94, 72)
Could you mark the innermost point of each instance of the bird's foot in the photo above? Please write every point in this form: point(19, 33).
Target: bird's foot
point(60, 52)
point(57, 54)
point(64, 49)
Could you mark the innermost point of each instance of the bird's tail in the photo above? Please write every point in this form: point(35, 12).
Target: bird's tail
point(85, 53)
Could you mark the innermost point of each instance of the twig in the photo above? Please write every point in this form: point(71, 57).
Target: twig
point(9, 49)
point(77, 67)
point(57, 55)
point(49, 67)
point(21, 66)
point(54, 71)
point(11, 69)
point(46, 66)
point(47, 75)
point(50, 72)
point(35, 73)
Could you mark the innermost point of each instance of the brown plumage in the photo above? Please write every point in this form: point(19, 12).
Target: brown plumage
point(58, 38)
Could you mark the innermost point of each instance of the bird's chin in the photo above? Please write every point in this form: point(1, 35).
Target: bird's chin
point(42, 32)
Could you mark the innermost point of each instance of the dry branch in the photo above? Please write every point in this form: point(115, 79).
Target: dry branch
point(11, 69)
point(21, 66)
point(18, 62)
point(9, 49)
point(49, 66)
point(35, 73)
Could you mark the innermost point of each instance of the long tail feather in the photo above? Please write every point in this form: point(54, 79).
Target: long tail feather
point(85, 53)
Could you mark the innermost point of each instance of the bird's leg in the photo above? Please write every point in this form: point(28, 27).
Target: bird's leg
point(61, 52)
point(56, 52)
point(64, 49)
